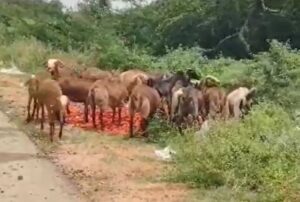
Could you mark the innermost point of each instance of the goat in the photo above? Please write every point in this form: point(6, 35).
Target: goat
point(49, 95)
point(145, 100)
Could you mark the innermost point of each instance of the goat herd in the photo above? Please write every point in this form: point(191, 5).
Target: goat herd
point(181, 100)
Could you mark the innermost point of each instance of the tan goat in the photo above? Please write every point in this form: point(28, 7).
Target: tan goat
point(144, 100)
point(49, 95)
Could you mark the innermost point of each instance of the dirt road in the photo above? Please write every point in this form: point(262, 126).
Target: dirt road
point(24, 175)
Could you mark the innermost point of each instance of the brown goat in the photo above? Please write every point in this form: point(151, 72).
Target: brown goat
point(33, 86)
point(129, 78)
point(144, 100)
point(98, 96)
point(77, 91)
point(187, 102)
point(74, 88)
point(94, 74)
point(237, 101)
point(49, 95)
point(214, 98)
point(117, 92)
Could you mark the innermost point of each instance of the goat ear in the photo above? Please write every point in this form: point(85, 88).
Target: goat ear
point(251, 93)
point(137, 80)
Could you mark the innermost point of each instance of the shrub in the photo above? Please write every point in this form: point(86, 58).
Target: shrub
point(181, 59)
point(260, 154)
point(277, 74)
point(232, 73)
point(30, 54)
point(26, 54)
point(160, 132)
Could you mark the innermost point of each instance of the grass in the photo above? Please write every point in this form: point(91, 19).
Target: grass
point(259, 155)
point(29, 55)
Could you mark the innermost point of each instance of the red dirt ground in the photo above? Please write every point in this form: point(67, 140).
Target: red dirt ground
point(75, 118)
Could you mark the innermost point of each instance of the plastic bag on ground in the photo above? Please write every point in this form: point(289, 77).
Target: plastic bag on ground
point(11, 70)
point(165, 154)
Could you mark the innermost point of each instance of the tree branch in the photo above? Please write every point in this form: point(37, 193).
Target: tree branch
point(244, 28)
point(265, 8)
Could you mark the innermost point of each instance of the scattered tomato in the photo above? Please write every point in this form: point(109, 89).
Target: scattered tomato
point(75, 119)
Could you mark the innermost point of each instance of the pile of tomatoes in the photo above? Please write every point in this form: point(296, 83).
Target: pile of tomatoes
point(76, 119)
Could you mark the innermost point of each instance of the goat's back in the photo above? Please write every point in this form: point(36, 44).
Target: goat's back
point(145, 92)
point(49, 91)
point(76, 89)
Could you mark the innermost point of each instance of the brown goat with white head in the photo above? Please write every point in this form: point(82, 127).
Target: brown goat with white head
point(72, 86)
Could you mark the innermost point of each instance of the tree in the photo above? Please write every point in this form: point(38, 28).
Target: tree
point(95, 8)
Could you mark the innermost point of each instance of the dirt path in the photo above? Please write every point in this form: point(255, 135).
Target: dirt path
point(103, 168)
point(24, 175)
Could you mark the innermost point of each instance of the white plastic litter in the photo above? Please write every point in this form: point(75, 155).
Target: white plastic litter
point(12, 70)
point(165, 154)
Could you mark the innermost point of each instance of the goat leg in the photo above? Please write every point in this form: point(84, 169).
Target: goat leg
point(28, 109)
point(62, 121)
point(51, 131)
point(94, 114)
point(180, 129)
point(37, 111)
point(43, 117)
point(101, 118)
point(131, 125)
point(169, 107)
point(68, 109)
point(114, 114)
point(86, 112)
point(119, 115)
point(34, 108)
point(144, 126)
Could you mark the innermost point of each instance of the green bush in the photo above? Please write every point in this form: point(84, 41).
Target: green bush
point(277, 75)
point(26, 54)
point(260, 154)
point(181, 59)
point(160, 132)
point(29, 55)
point(231, 73)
